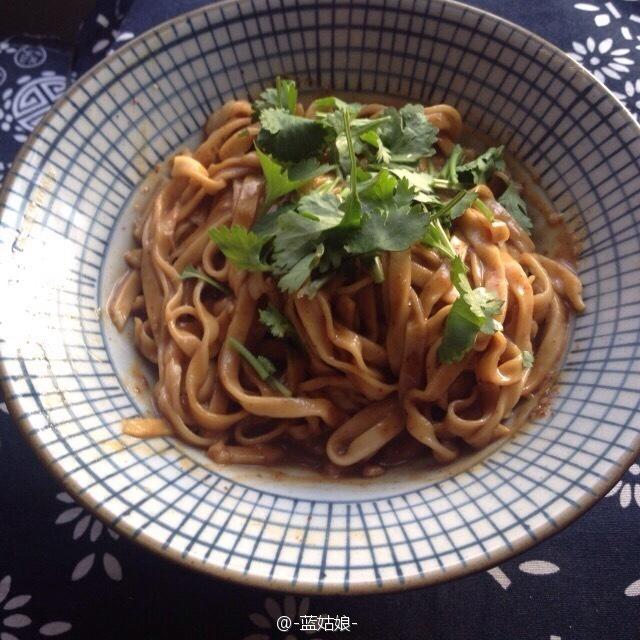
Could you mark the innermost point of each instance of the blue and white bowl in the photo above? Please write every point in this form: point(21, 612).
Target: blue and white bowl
point(67, 208)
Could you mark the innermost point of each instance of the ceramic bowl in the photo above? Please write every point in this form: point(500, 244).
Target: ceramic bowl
point(67, 208)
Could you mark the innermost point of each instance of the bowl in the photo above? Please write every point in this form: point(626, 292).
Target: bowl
point(69, 378)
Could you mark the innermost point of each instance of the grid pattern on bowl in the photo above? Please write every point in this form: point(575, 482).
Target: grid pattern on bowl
point(76, 174)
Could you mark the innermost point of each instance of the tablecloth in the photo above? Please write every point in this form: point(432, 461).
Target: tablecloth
point(62, 573)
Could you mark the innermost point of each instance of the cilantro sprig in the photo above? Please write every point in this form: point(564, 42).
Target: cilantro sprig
point(375, 197)
point(278, 324)
point(264, 368)
point(474, 310)
point(191, 272)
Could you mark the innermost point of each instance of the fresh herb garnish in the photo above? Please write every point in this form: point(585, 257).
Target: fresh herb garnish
point(241, 246)
point(261, 365)
point(455, 207)
point(479, 171)
point(527, 359)
point(277, 323)
point(472, 312)
point(191, 272)
point(449, 171)
point(391, 223)
point(283, 96)
point(351, 205)
point(407, 134)
point(516, 207)
point(290, 138)
point(281, 180)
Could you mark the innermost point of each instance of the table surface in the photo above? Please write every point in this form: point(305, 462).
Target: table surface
point(62, 573)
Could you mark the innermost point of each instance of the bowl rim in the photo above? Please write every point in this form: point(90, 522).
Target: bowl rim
point(476, 565)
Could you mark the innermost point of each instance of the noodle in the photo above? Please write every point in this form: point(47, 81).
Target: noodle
point(364, 373)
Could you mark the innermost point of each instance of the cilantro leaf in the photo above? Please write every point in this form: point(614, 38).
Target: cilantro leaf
point(408, 134)
point(241, 246)
point(389, 224)
point(516, 207)
point(392, 230)
point(527, 359)
point(436, 237)
point(331, 103)
point(191, 272)
point(299, 231)
point(290, 138)
point(460, 333)
point(421, 181)
point(478, 171)
point(283, 96)
point(455, 207)
point(277, 323)
point(470, 314)
point(383, 155)
point(280, 181)
point(301, 271)
point(261, 365)
point(380, 188)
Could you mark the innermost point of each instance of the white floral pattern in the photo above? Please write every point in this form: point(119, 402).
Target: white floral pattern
point(87, 524)
point(14, 620)
point(112, 36)
point(532, 567)
point(627, 492)
point(601, 58)
point(630, 95)
point(606, 14)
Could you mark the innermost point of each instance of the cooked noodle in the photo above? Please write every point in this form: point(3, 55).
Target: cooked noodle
point(368, 388)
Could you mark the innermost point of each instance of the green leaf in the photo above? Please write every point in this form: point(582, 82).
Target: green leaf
point(320, 207)
point(460, 333)
point(455, 207)
point(299, 231)
point(381, 188)
point(421, 181)
point(393, 230)
point(280, 181)
point(290, 138)
point(331, 103)
point(301, 271)
point(470, 314)
point(383, 155)
point(277, 323)
point(479, 171)
point(241, 246)
point(516, 207)
point(436, 237)
point(283, 96)
point(527, 359)
point(261, 365)
point(191, 272)
point(408, 134)
point(483, 304)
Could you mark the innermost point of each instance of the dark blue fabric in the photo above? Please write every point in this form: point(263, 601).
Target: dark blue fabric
point(85, 582)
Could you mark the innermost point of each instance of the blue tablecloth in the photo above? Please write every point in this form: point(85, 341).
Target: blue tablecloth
point(63, 574)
